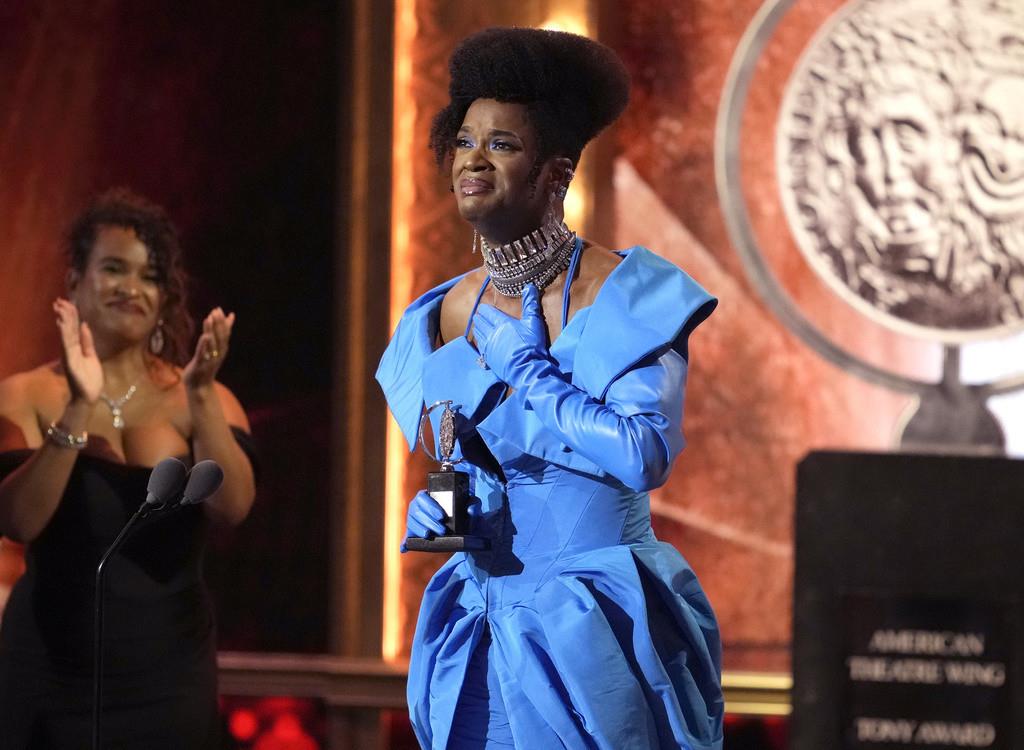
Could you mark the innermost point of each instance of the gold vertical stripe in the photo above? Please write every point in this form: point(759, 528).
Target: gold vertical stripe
point(402, 199)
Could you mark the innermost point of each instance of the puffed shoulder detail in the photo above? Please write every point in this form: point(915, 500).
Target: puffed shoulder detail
point(646, 305)
point(401, 367)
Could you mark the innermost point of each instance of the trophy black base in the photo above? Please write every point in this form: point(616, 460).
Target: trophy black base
point(453, 543)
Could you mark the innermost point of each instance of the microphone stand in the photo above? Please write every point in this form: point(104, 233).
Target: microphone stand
point(97, 709)
point(202, 481)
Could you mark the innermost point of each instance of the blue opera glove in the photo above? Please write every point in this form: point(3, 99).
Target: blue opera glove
point(425, 518)
point(511, 347)
point(634, 434)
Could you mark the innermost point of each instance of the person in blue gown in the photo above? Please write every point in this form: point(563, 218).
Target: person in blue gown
point(565, 363)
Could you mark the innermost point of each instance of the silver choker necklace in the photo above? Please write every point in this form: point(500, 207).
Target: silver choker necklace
point(535, 259)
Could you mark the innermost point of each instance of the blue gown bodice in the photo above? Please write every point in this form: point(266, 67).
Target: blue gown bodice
point(602, 635)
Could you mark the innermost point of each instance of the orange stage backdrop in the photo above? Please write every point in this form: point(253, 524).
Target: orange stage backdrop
point(52, 83)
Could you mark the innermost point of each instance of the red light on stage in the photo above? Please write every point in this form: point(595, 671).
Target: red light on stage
point(274, 722)
point(286, 734)
point(243, 724)
point(287, 727)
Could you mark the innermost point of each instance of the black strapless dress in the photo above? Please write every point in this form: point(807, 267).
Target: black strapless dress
point(160, 670)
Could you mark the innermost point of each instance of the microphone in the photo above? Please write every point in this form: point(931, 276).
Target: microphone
point(163, 491)
point(204, 479)
point(165, 482)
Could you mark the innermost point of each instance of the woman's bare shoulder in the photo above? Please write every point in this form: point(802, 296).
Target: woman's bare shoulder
point(24, 396)
point(38, 385)
point(596, 264)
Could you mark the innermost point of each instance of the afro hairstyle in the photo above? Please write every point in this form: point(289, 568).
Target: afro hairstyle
point(572, 86)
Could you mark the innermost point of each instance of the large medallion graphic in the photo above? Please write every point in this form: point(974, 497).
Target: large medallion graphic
point(900, 155)
point(899, 159)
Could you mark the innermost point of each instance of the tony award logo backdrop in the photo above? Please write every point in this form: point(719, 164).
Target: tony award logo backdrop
point(899, 161)
point(899, 154)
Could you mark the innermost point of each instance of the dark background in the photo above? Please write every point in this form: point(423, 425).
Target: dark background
point(231, 117)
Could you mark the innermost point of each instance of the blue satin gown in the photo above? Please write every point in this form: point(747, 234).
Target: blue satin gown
point(578, 628)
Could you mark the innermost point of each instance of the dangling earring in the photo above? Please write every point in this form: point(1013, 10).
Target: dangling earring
point(563, 189)
point(156, 339)
point(476, 242)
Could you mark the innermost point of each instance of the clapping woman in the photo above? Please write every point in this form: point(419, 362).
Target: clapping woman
point(78, 437)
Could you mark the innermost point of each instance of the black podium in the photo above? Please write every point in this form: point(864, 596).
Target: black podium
point(907, 619)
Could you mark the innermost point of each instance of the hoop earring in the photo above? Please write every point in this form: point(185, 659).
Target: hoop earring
point(156, 339)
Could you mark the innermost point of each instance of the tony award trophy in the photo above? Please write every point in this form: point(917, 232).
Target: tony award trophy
point(450, 489)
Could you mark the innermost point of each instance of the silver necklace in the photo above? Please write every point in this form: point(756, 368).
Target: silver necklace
point(116, 405)
point(536, 258)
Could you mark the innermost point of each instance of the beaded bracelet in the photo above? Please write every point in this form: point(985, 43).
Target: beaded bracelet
point(64, 439)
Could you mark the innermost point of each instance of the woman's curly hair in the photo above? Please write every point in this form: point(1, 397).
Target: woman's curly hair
point(121, 207)
point(573, 87)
